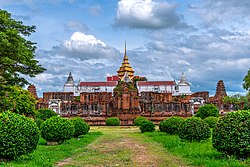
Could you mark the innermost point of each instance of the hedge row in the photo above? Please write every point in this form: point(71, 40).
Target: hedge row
point(231, 133)
point(19, 135)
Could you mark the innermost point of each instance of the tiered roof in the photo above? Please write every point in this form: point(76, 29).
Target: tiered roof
point(32, 90)
point(220, 90)
point(125, 67)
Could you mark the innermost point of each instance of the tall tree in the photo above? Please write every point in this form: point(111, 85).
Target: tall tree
point(17, 54)
point(246, 84)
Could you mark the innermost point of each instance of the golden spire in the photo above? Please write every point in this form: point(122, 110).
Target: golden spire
point(125, 53)
point(125, 50)
point(125, 67)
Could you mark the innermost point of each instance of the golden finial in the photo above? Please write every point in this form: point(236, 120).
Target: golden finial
point(125, 49)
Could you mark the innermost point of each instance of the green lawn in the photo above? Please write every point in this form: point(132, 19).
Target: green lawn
point(197, 154)
point(48, 155)
point(126, 146)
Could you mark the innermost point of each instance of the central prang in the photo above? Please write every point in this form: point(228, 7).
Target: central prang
point(125, 67)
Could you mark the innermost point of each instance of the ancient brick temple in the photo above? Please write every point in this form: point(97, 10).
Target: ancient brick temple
point(125, 103)
point(125, 96)
point(220, 94)
point(32, 90)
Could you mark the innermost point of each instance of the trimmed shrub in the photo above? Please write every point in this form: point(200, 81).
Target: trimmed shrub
point(81, 127)
point(231, 135)
point(139, 120)
point(45, 113)
point(207, 110)
point(19, 135)
point(57, 129)
point(194, 129)
point(147, 126)
point(211, 121)
point(39, 122)
point(113, 121)
point(171, 125)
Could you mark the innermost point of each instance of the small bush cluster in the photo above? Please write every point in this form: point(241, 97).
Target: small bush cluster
point(45, 114)
point(139, 120)
point(19, 135)
point(194, 129)
point(231, 134)
point(147, 126)
point(207, 110)
point(211, 121)
point(171, 125)
point(113, 121)
point(81, 127)
point(57, 129)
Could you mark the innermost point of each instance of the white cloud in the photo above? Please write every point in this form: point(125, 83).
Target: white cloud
point(87, 57)
point(85, 47)
point(148, 14)
point(79, 39)
point(229, 13)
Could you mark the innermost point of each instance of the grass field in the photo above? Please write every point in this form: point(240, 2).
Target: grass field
point(45, 156)
point(197, 154)
point(126, 146)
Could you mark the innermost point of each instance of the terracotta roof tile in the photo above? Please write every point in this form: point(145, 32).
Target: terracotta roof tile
point(113, 78)
point(109, 83)
point(155, 83)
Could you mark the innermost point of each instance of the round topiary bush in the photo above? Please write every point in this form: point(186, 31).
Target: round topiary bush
point(139, 120)
point(171, 125)
point(57, 129)
point(19, 135)
point(194, 129)
point(147, 126)
point(211, 121)
point(45, 113)
point(81, 127)
point(231, 135)
point(113, 121)
point(207, 110)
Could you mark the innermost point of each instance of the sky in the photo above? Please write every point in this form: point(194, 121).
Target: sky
point(208, 40)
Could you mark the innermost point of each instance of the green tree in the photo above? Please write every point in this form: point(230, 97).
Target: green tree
point(18, 100)
point(135, 80)
point(2, 84)
point(237, 100)
point(246, 84)
point(17, 54)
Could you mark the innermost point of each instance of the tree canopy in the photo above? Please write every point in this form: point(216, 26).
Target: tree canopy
point(246, 84)
point(238, 101)
point(18, 100)
point(17, 53)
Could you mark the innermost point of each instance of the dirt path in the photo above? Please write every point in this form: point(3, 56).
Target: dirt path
point(122, 146)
